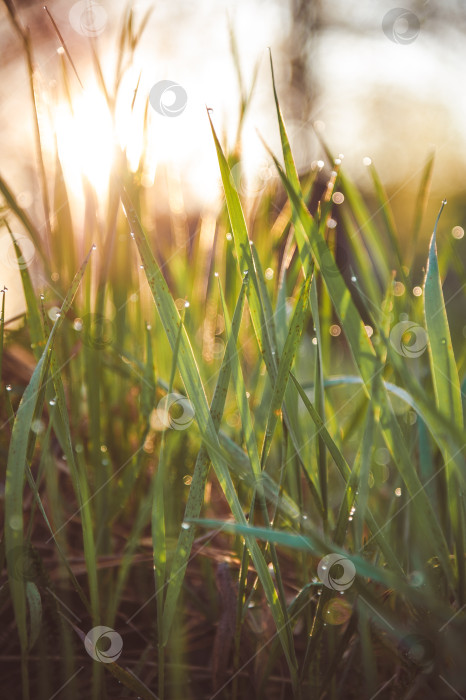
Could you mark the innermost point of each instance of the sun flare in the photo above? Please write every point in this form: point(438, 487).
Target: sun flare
point(86, 140)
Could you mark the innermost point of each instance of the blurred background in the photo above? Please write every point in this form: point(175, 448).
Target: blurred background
point(373, 80)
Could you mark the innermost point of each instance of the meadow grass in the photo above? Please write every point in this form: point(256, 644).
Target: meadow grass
point(261, 492)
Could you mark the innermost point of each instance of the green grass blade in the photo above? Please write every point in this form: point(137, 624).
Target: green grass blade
point(17, 462)
point(196, 492)
point(190, 375)
point(444, 373)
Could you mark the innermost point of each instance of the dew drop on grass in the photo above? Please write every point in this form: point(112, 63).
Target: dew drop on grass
point(52, 402)
point(186, 304)
point(94, 247)
point(185, 526)
point(132, 234)
point(229, 237)
point(444, 341)
point(16, 522)
point(8, 387)
point(353, 278)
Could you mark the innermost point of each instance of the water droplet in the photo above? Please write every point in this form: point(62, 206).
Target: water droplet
point(16, 522)
point(52, 402)
point(141, 267)
point(185, 526)
point(132, 234)
point(229, 237)
point(444, 202)
point(42, 297)
point(94, 247)
point(8, 387)
point(186, 304)
point(444, 341)
point(149, 327)
point(353, 278)
point(314, 341)
point(215, 274)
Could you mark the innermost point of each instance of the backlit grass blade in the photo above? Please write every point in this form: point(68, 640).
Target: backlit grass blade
point(447, 390)
point(389, 220)
point(311, 542)
point(370, 367)
point(244, 257)
point(16, 468)
point(292, 174)
point(25, 220)
point(421, 201)
point(201, 467)
point(285, 364)
point(190, 375)
point(345, 471)
point(444, 373)
point(319, 401)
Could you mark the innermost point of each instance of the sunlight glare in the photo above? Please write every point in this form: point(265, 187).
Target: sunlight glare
point(85, 141)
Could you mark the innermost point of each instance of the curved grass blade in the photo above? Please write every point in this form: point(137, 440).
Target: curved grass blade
point(447, 391)
point(191, 378)
point(17, 462)
point(370, 367)
point(444, 373)
point(201, 467)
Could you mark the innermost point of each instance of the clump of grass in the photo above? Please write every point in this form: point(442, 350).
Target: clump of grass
point(304, 534)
